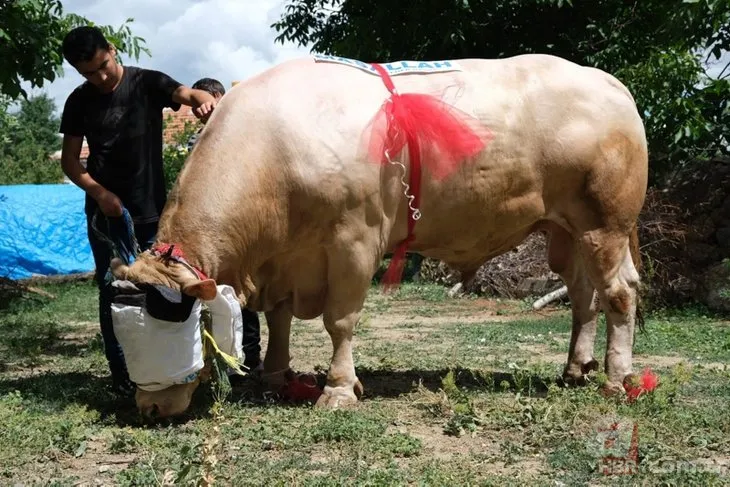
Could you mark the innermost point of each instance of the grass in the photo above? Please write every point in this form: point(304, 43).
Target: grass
point(457, 392)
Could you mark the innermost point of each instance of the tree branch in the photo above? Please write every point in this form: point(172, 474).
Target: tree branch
point(720, 76)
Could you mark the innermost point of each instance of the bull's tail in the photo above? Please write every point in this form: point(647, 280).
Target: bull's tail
point(636, 258)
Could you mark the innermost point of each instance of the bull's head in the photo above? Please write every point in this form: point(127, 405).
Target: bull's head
point(155, 271)
point(150, 269)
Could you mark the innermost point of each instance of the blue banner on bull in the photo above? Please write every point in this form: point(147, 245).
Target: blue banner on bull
point(43, 231)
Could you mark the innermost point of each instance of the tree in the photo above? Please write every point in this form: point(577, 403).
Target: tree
point(656, 47)
point(7, 121)
point(37, 119)
point(31, 34)
point(175, 153)
point(27, 139)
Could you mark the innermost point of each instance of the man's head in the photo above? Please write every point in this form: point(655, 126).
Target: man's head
point(87, 50)
point(212, 86)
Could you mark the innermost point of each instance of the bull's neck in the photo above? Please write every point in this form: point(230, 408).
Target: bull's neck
point(230, 240)
point(215, 251)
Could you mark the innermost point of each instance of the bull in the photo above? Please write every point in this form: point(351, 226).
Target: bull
point(280, 201)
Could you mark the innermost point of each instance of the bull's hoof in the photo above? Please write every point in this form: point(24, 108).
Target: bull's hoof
point(577, 375)
point(612, 389)
point(338, 397)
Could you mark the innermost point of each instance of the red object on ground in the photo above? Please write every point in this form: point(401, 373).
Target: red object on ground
point(636, 386)
point(301, 387)
point(438, 135)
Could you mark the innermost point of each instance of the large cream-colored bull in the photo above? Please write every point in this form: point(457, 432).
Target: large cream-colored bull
point(279, 201)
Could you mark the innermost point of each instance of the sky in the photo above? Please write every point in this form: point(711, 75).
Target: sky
point(229, 40)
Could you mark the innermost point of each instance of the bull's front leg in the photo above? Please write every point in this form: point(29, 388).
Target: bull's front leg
point(349, 279)
point(343, 386)
point(276, 361)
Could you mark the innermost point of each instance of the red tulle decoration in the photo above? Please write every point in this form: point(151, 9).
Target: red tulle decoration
point(636, 386)
point(438, 135)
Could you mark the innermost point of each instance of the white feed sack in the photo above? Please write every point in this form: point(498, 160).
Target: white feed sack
point(162, 353)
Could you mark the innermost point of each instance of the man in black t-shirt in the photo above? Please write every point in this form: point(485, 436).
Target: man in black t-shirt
point(119, 111)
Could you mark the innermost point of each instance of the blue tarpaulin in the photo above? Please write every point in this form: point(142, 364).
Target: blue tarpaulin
point(43, 231)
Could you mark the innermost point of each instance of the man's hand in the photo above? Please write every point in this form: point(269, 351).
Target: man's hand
point(204, 110)
point(109, 203)
point(202, 102)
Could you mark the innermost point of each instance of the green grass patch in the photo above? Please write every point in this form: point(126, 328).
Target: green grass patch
point(447, 401)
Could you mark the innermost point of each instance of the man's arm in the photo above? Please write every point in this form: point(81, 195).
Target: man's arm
point(109, 203)
point(202, 102)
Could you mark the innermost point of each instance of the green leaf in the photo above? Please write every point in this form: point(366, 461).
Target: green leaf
point(31, 31)
point(80, 450)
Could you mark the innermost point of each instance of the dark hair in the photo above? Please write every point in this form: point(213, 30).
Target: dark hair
point(212, 86)
point(82, 43)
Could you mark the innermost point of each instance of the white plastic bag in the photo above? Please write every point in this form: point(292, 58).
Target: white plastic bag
point(158, 353)
point(227, 321)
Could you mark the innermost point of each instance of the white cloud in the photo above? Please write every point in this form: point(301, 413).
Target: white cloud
point(230, 40)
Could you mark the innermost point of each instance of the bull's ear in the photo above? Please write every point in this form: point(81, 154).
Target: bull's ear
point(205, 290)
point(119, 269)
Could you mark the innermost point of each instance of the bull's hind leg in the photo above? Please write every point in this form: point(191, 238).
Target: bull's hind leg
point(565, 260)
point(350, 270)
point(610, 267)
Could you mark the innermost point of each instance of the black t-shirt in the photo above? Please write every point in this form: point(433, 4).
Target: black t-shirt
point(124, 132)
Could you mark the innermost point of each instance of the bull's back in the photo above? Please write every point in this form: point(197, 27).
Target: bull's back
point(528, 102)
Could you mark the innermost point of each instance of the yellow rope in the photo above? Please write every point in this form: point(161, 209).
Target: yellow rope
point(231, 361)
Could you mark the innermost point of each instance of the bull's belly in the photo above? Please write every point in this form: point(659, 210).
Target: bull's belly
point(465, 229)
point(474, 249)
point(297, 280)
